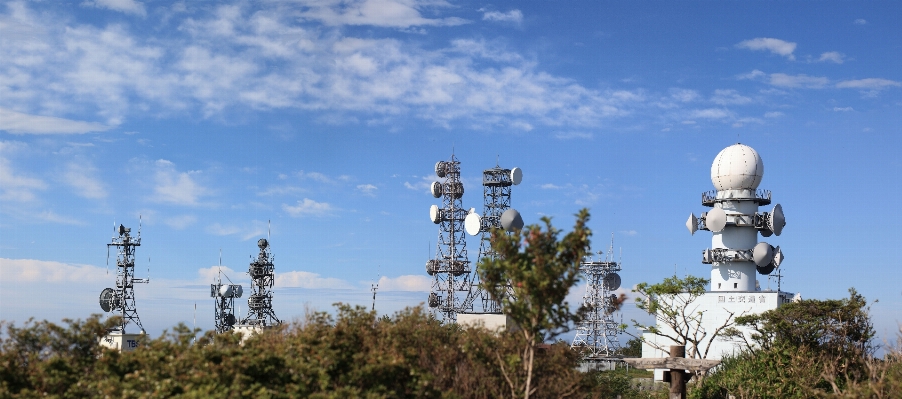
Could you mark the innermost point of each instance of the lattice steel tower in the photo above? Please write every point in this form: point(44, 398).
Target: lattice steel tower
point(496, 194)
point(259, 303)
point(224, 306)
point(450, 269)
point(596, 334)
point(122, 298)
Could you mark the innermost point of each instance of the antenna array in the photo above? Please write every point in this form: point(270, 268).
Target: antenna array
point(450, 269)
point(224, 306)
point(259, 303)
point(596, 334)
point(122, 298)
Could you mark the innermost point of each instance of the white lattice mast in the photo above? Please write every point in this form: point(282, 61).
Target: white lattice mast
point(450, 269)
point(259, 303)
point(496, 194)
point(597, 333)
point(122, 298)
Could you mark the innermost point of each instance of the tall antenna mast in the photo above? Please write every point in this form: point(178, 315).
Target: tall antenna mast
point(450, 269)
point(496, 195)
point(224, 316)
point(259, 303)
point(596, 334)
point(122, 298)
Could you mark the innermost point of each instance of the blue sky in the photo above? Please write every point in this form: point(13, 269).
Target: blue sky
point(326, 117)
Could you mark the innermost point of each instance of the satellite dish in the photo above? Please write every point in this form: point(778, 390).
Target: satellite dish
point(511, 220)
point(121, 229)
point(776, 221)
point(436, 189)
point(262, 243)
point(108, 300)
point(692, 224)
point(612, 281)
point(716, 220)
point(473, 224)
point(706, 256)
point(766, 233)
point(516, 175)
point(226, 291)
point(763, 254)
point(765, 270)
point(431, 266)
point(778, 256)
point(434, 214)
point(229, 319)
point(440, 168)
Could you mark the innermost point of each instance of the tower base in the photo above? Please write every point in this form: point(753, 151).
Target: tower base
point(495, 322)
point(122, 342)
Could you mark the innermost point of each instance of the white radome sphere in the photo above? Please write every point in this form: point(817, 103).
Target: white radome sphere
point(737, 167)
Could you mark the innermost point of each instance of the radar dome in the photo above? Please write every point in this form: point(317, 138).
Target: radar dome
point(737, 167)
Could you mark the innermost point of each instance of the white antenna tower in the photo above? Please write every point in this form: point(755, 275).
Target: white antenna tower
point(122, 298)
point(496, 209)
point(450, 269)
point(596, 334)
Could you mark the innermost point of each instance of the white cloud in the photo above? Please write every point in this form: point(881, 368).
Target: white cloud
point(33, 270)
point(776, 46)
point(550, 186)
point(124, 6)
point(309, 280)
point(423, 184)
point(220, 230)
point(81, 176)
point(308, 207)
point(14, 187)
point(870, 83)
point(21, 123)
point(314, 176)
point(842, 109)
point(176, 187)
point(832, 56)
point(180, 222)
point(727, 97)
point(572, 135)
point(382, 13)
point(861, 21)
point(710, 113)
point(52, 217)
point(253, 229)
point(367, 189)
point(773, 114)
point(683, 95)
point(811, 82)
point(412, 282)
point(209, 275)
point(513, 16)
point(753, 75)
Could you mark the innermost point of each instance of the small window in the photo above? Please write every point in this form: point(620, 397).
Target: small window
point(718, 285)
point(735, 285)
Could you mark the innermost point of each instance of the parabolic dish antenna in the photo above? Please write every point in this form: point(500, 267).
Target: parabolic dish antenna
point(231, 291)
point(511, 220)
point(763, 254)
point(692, 224)
point(516, 176)
point(716, 220)
point(612, 281)
point(473, 224)
point(440, 168)
point(765, 270)
point(108, 300)
point(436, 189)
point(229, 320)
point(778, 256)
point(262, 243)
point(434, 214)
point(776, 221)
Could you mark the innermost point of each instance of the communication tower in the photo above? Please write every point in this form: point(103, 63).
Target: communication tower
point(122, 298)
point(596, 334)
point(224, 303)
point(450, 269)
point(259, 303)
point(496, 195)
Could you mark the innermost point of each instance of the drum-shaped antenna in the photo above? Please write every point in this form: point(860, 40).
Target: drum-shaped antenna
point(237, 290)
point(511, 220)
point(456, 190)
point(440, 168)
point(776, 221)
point(612, 281)
point(716, 220)
point(109, 301)
point(778, 256)
point(765, 270)
point(229, 319)
point(436, 189)
point(763, 254)
point(262, 243)
point(473, 224)
point(434, 214)
point(516, 176)
point(431, 266)
point(434, 300)
point(692, 224)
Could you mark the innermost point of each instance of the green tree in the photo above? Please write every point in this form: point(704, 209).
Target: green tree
point(540, 270)
point(678, 317)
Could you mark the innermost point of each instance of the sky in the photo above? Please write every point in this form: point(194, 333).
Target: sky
point(317, 123)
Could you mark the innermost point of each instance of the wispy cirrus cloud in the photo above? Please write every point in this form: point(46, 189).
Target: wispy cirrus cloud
point(22, 123)
point(832, 56)
point(81, 176)
point(124, 6)
point(798, 81)
point(381, 13)
point(308, 207)
point(775, 46)
point(174, 187)
point(870, 83)
point(15, 186)
point(512, 16)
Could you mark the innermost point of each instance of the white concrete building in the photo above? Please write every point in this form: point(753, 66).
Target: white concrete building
point(736, 257)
